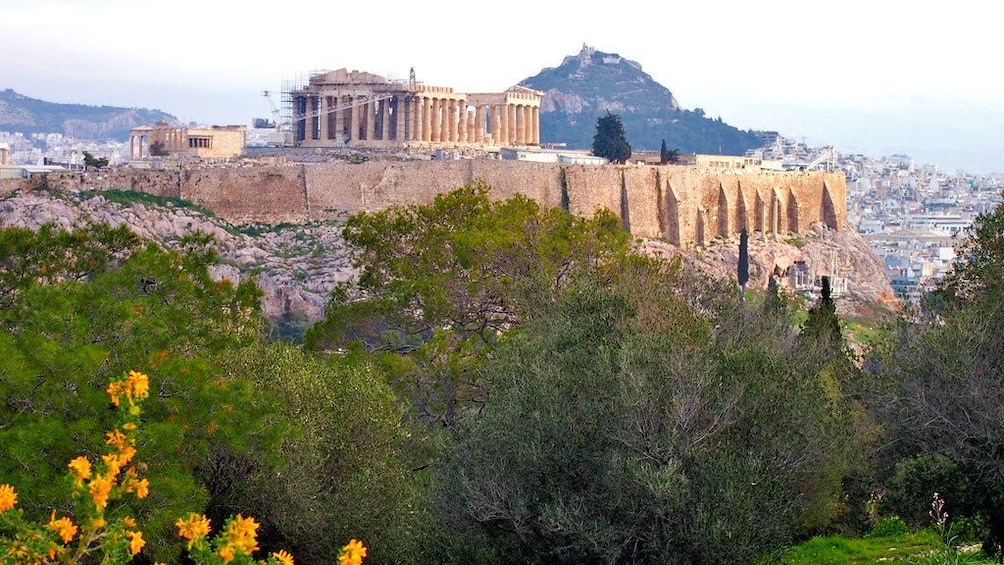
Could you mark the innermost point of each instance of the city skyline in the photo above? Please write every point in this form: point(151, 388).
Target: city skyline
point(872, 78)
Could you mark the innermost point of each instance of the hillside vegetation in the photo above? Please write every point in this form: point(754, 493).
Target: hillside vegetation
point(503, 383)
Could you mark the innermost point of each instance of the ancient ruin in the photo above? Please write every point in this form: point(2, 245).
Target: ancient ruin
point(357, 109)
point(170, 140)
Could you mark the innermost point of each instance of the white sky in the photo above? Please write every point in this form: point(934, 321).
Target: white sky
point(878, 76)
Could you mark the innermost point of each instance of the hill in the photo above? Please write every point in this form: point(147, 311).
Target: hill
point(589, 84)
point(29, 115)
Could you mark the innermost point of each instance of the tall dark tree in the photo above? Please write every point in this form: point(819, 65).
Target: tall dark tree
point(667, 156)
point(744, 259)
point(822, 322)
point(609, 141)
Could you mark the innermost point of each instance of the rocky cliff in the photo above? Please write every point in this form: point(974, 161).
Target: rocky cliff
point(297, 265)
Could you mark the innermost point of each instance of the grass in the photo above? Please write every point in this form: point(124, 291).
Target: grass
point(130, 197)
point(920, 548)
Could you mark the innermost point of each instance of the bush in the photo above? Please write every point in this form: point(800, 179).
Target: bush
point(889, 527)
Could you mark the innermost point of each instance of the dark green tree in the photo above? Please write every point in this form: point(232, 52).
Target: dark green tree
point(666, 156)
point(823, 323)
point(611, 435)
point(610, 141)
point(942, 375)
point(744, 260)
point(92, 162)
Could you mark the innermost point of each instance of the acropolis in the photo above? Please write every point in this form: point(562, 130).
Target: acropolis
point(358, 109)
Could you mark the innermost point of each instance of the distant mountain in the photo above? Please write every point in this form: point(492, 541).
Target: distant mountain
point(28, 115)
point(587, 85)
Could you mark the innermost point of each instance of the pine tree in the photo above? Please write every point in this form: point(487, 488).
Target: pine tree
point(609, 141)
point(744, 259)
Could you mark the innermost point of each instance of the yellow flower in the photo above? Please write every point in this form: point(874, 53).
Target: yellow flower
point(141, 487)
point(8, 498)
point(283, 558)
point(352, 554)
point(194, 528)
point(118, 439)
point(113, 464)
point(64, 527)
point(100, 488)
point(81, 468)
point(226, 553)
point(98, 523)
point(138, 385)
point(113, 390)
point(241, 534)
point(129, 522)
point(136, 542)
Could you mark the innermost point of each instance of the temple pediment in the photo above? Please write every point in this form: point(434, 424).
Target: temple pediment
point(344, 76)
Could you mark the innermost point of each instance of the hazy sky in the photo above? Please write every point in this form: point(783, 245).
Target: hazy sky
point(876, 77)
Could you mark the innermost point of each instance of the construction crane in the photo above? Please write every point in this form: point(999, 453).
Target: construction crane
point(282, 135)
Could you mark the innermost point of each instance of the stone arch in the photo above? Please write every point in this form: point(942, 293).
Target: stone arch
point(775, 212)
point(742, 211)
point(723, 212)
point(828, 212)
point(794, 211)
point(701, 226)
point(672, 215)
point(760, 214)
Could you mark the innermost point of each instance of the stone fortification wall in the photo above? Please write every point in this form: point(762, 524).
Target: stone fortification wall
point(684, 205)
point(249, 194)
point(157, 182)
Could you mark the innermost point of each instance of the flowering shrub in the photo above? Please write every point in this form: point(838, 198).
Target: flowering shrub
point(97, 483)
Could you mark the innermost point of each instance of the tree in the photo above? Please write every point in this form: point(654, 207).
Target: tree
point(609, 141)
point(608, 436)
point(91, 305)
point(157, 149)
point(90, 161)
point(744, 260)
point(822, 323)
point(666, 156)
point(940, 389)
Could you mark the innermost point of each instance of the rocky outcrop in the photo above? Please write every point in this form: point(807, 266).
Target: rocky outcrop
point(820, 251)
point(296, 266)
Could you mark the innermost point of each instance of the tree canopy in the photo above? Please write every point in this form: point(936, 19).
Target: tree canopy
point(610, 141)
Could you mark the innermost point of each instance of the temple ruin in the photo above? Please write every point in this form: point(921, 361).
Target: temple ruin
point(357, 109)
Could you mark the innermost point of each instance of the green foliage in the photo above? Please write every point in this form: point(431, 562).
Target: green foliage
point(837, 550)
point(90, 161)
point(343, 472)
point(612, 435)
point(744, 259)
point(666, 156)
point(892, 526)
point(93, 304)
point(937, 382)
point(609, 141)
point(131, 197)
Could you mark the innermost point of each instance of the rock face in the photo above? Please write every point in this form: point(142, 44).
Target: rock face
point(296, 267)
point(591, 83)
point(821, 251)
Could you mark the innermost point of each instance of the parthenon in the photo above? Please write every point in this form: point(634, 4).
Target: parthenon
point(352, 108)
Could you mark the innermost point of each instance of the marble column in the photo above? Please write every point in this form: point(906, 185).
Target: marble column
point(535, 124)
point(504, 121)
point(452, 117)
point(512, 124)
point(521, 124)
point(339, 119)
point(323, 117)
point(354, 120)
point(385, 120)
point(426, 118)
point(370, 117)
point(479, 124)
